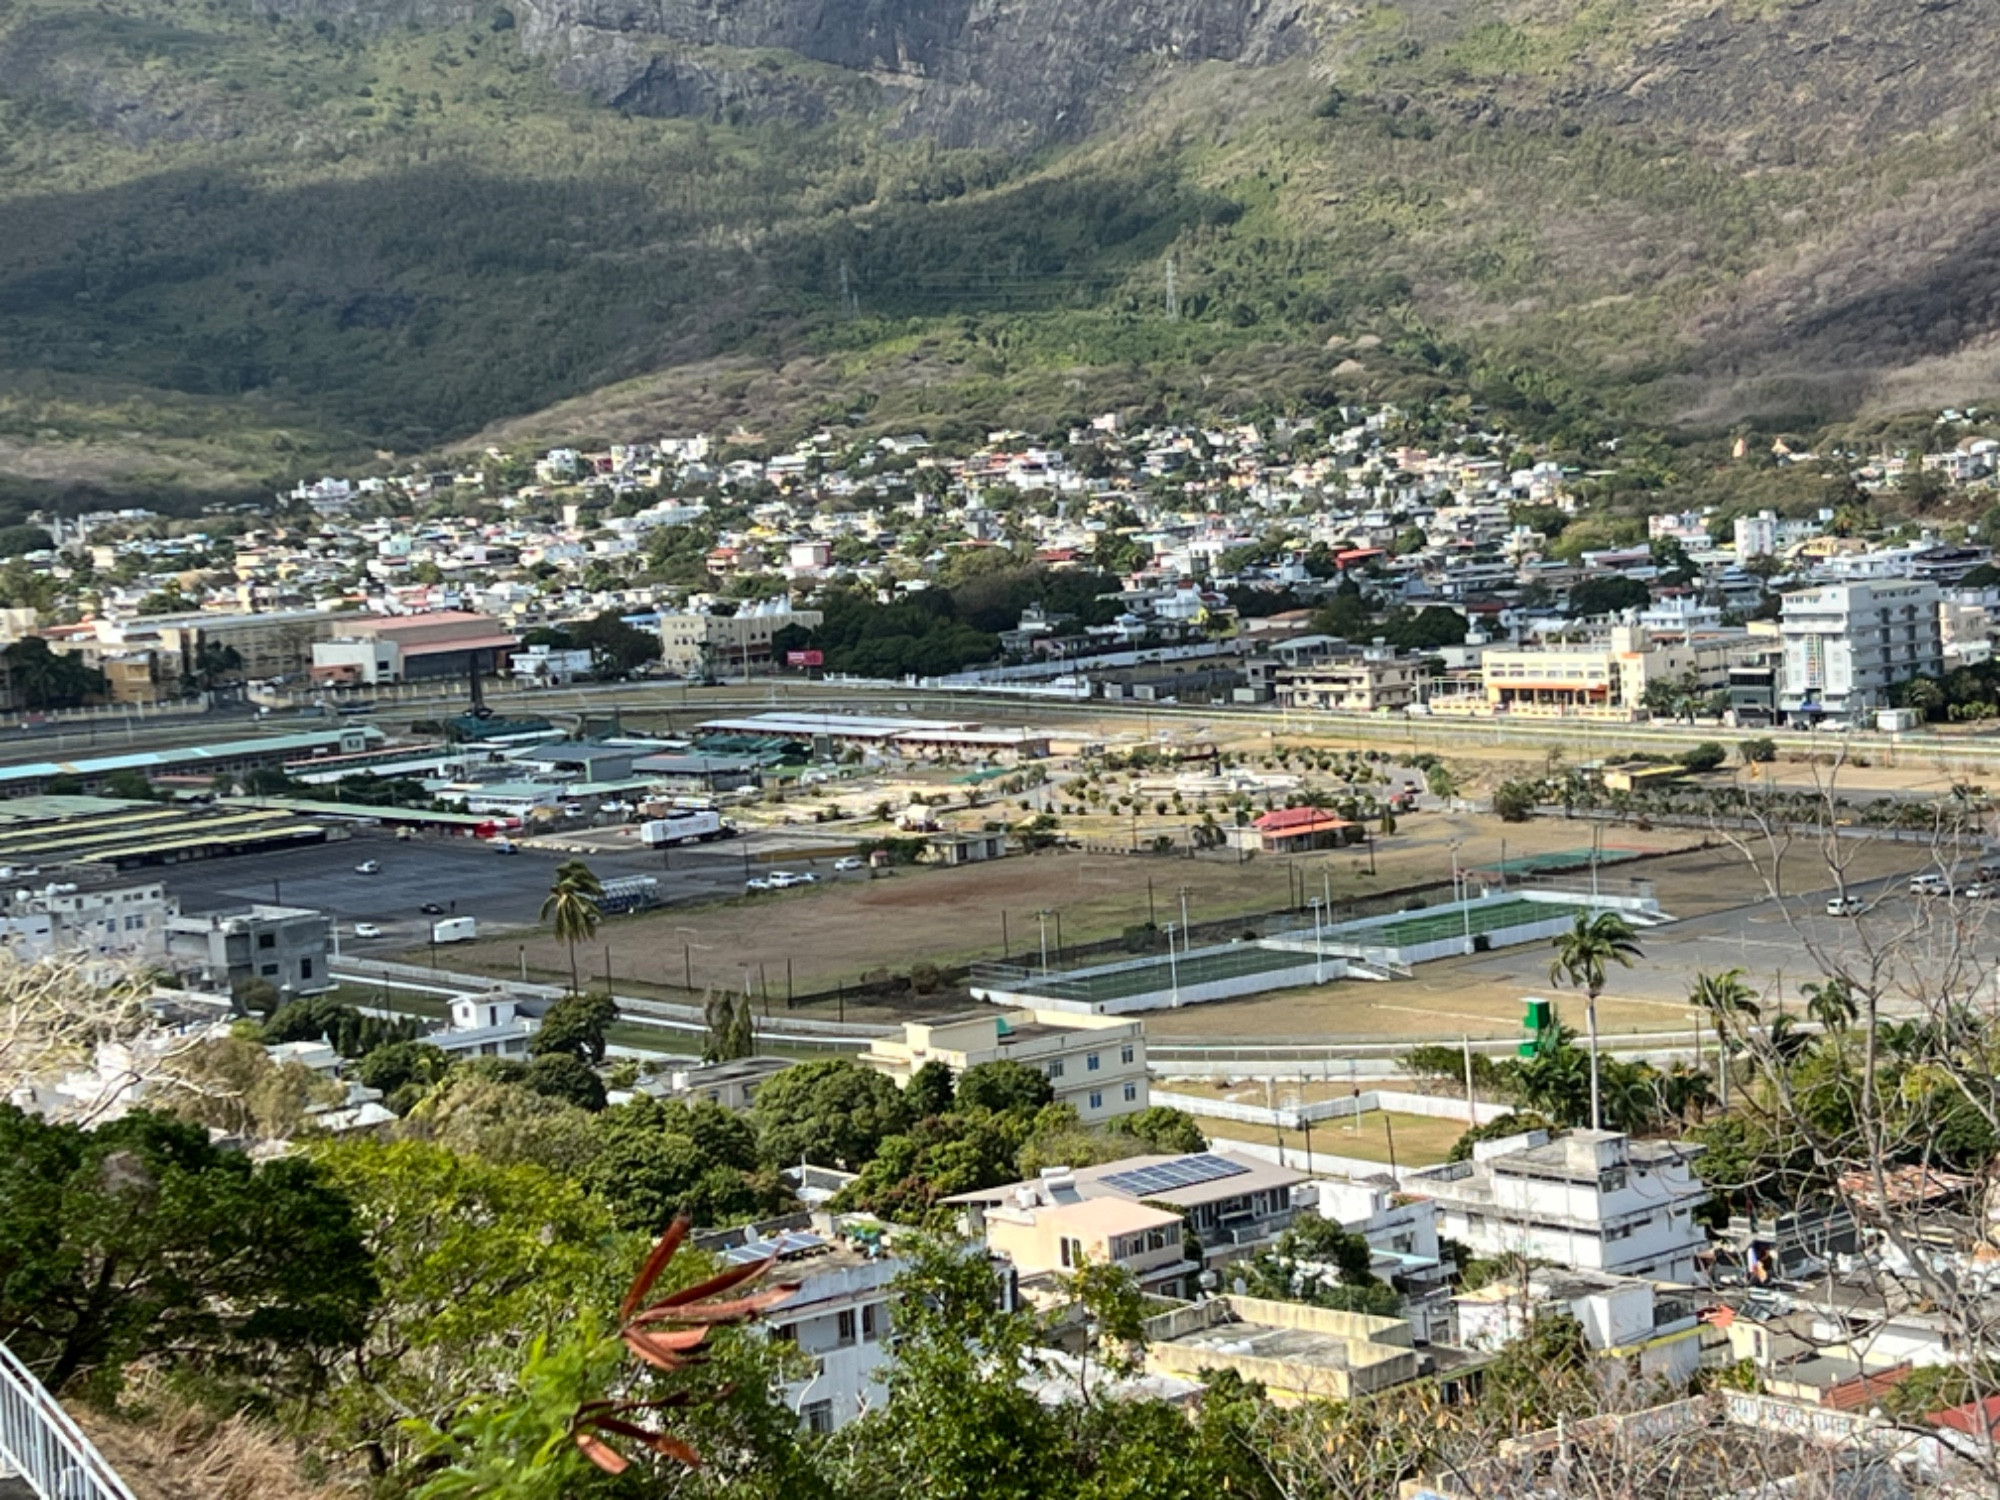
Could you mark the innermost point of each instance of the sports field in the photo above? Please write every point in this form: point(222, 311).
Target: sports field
point(1161, 974)
point(1435, 927)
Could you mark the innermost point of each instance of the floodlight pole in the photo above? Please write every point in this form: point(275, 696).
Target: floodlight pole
point(1319, 943)
point(1173, 966)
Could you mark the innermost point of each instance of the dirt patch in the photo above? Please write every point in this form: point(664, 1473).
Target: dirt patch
point(1418, 1140)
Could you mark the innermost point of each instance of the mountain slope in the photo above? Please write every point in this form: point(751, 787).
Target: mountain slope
point(239, 244)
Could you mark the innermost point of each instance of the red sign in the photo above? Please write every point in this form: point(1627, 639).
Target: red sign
point(805, 658)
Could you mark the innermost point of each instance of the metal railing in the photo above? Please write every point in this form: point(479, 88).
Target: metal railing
point(40, 1441)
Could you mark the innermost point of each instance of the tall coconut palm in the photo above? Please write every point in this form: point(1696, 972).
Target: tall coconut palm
point(1581, 956)
point(1725, 997)
point(571, 908)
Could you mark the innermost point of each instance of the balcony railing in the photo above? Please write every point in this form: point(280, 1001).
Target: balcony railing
point(40, 1442)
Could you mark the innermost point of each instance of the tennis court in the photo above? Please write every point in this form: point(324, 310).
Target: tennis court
point(1156, 976)
point(1434, 927)
point(1557, 859)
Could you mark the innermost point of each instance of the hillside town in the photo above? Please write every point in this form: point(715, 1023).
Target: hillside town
point(1107, 939)
point(1344, 571)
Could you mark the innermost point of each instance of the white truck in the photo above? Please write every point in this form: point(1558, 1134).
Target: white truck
point(455, 930)
point(693, 826)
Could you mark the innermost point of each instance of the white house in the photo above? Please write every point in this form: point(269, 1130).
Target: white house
point(839, 1317)
point(1636, 1328)
point(1402, 1233)
point(1595, 1200)
point(485, 1026)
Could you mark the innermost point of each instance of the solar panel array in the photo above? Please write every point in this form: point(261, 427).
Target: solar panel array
point(791, 1242)
point(1181, 1172)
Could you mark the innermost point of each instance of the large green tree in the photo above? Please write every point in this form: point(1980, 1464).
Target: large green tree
point(141, 1237)
point(830, 1112)
point(574, 1027)
point(473, 1259)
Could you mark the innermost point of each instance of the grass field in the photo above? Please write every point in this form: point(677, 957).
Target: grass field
point(1419, 1140)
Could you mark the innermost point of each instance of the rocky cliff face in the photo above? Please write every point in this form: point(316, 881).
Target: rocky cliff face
point(984, 73)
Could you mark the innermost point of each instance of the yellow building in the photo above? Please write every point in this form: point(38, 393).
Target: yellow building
point(1053, 1239)
point(1095, 1063)
point(1297, 1352)
point(1608, 677)
point(693, 644)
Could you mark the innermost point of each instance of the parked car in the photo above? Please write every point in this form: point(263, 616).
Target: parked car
point(757, 883)
point(1981, 890)
point(367, 929)
point(1929, 885)
point(1845, 906)
point(369, 867)
point(432, 909)
point(849, 862)
point(783, 880)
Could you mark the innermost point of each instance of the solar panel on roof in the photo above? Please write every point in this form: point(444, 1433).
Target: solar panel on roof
point(1185, 1171)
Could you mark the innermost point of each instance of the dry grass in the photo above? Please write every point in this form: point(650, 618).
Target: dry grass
point(838, 933)
point(180, 1452)
point(1420, 1141)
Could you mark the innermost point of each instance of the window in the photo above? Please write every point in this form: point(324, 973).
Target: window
point(872, 1320)
point(1131, 1092)
point(1072, 1251)
point(269, 971)
point(267, 940)
point(305, 968)
point(818, 1417)
point(844, 1324)
point(1090, 1063)
point(1056, 1068)
point(1125, 1053)
point(1097, 1098)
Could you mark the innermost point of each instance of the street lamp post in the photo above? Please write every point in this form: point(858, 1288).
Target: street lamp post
point(1042, 917)
point(1319, 944)
point(1464, 895)
point(1173, 966)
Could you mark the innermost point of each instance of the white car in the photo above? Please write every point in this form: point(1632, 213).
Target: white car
point(367, 929)
point(369, 867)
point(784, 880)
point(757, 884)
point(1929, 885)
point(1845, 906)
point(849, 862)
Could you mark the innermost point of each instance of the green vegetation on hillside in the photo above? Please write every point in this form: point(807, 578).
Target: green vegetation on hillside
point(262, 243)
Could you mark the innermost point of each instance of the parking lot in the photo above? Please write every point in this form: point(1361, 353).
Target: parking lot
point(466, 878)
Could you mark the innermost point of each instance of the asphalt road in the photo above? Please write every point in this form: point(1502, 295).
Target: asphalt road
point(1767, 939)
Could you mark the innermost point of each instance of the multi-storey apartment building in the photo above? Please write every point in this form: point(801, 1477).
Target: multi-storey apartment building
point(1847, 644)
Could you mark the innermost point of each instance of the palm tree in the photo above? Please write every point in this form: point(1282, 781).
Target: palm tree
point(572, 909)
point(1581, 956)
point(1725, 997)
point(1832, 1004)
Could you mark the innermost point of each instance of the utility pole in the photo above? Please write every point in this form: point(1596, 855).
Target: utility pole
point(1471, 1099)
point(1173, 294)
